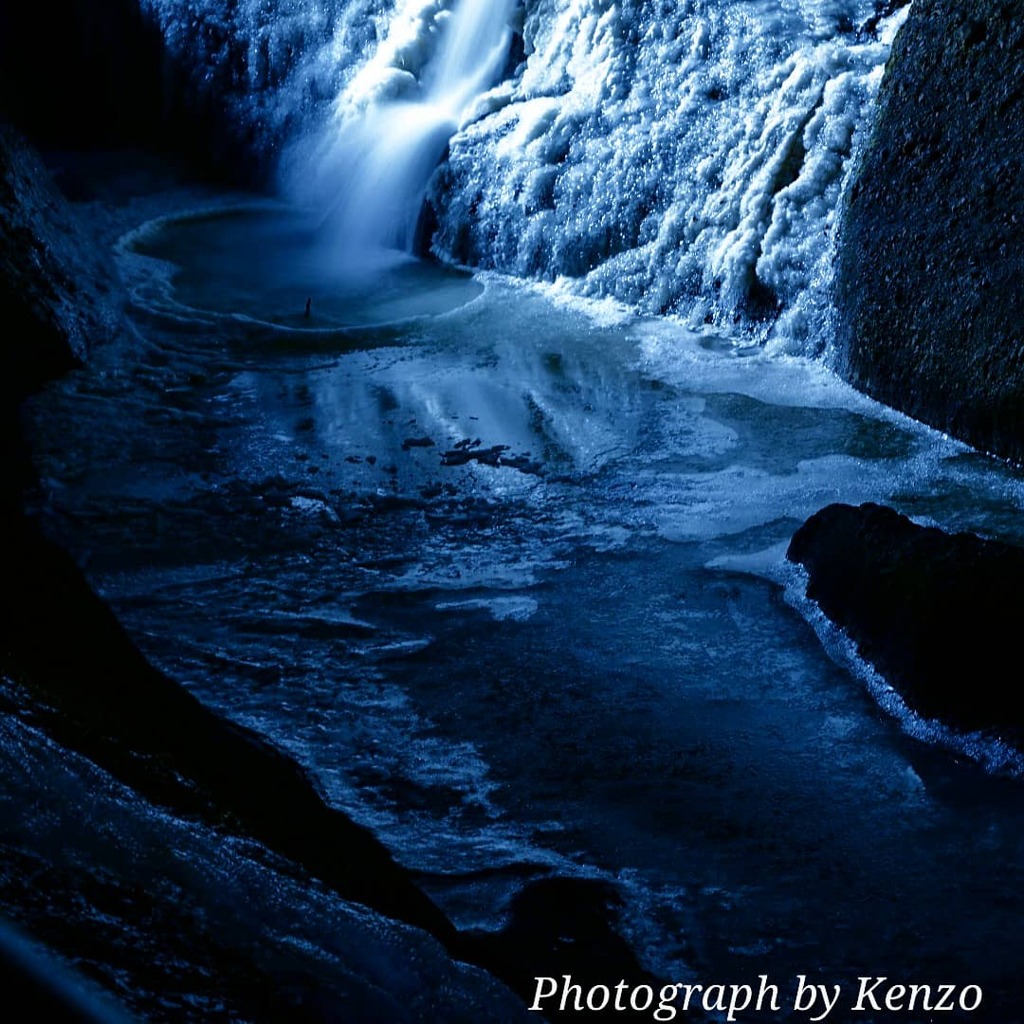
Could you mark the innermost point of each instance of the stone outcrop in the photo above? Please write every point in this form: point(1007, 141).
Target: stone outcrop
point(931, 255)
point(59, 293)
point(98, 695)
point(937, 614)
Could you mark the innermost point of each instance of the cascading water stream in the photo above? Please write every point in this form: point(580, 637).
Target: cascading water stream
point(380, 161)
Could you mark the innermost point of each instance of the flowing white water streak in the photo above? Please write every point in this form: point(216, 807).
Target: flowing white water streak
point(394, 123)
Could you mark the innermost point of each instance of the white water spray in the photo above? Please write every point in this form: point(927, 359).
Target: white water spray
point(381, 153)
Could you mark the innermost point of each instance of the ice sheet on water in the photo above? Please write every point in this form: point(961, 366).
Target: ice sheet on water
point(502, 609)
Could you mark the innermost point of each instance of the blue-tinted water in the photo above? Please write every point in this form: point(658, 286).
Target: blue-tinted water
point(506, 573)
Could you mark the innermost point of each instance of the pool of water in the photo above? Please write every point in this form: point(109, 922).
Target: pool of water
point(273, 265)
point(506, 572)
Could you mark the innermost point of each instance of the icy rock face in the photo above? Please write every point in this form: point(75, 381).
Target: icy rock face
point(676, 156)
point(684, 156)
point(275, 66)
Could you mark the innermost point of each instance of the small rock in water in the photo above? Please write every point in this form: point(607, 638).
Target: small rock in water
point(417, 442)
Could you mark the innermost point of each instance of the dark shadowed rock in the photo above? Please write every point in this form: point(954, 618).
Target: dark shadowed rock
point(931, 255)
point(937, 614)
point(558, 927)
point(59, 293)
point(79, 75)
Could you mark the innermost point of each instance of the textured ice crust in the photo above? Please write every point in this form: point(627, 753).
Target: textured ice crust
point(276, 66)
point(677, 156)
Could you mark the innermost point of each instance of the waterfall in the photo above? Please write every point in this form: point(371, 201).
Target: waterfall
point(679, 157)
point(378, 158)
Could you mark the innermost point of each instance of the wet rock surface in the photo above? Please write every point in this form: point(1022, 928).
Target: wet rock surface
point(937, 614)
point(58, 291)
point(932, 252)
point(97, 694)
point(561, 928)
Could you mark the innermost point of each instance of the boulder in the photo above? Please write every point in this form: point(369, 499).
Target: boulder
point(935, 613)
point(558, 927)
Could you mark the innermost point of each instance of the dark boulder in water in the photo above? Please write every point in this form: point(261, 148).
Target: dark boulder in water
point(937, 614)
point(931, 253)
point(561, 928)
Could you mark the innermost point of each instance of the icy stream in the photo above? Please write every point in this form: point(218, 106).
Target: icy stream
point(506, 573)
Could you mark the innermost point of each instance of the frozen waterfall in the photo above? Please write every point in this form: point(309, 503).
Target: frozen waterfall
point(687, 157)
point(393, 125)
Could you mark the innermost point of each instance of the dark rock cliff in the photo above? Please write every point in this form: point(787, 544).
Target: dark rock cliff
point(931, 308)
point(81, 74)
point(76, 75)
point(58, 292)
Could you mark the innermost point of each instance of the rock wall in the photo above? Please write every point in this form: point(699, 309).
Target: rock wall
point(58, 292)
point(80, 74)
point(928, 282)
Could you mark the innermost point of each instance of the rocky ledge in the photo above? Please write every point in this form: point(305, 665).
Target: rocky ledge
point(58, 291)
point(931, 252)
